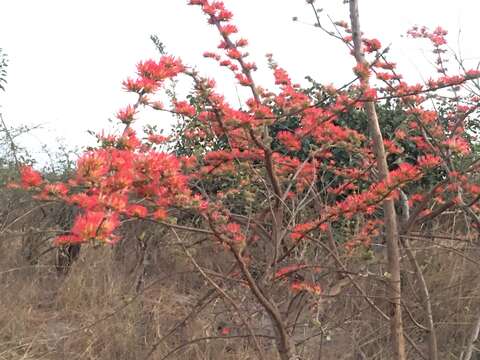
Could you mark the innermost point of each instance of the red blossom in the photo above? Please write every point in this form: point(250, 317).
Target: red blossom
point(84, 201)
point(185, 109)
point(234, 54)
point(385, 65)
point(224, 15)
point(211, 55)
point(287, 270)
point(385, 76)
point(126, 175)
point(243, 79)
point(228, 29)
point(281, 77)
point(361, 70)
point(115, 201)
point(92, 225)
point(370, 94)
point(29, 177)
point(54, 190)
point(298, 286)
point(300, 230)
point(225, 331)
point(372, 45)
point(429, 161)
point(458, 145)
point(126, 115)
point(167, 67)
point(400, 134)
point(289, 140)
point(92, 166)
point(140, 85)
point(234, 231)
point(241, 42)
point(137, 211)
point(391, 147)
point(160, 214)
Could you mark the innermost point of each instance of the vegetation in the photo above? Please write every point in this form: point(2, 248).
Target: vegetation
point(307, 223)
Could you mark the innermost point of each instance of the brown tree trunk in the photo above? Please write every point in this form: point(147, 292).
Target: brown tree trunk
point(285, 344)
point(390, 216)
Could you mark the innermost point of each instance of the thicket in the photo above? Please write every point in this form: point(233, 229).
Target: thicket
point(302, 224)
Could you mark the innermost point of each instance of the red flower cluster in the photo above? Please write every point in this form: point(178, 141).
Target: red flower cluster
point(295, 182)
point(29, 177)
point(93, 225)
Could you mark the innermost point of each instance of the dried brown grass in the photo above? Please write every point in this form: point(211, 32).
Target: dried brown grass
point(118, 303)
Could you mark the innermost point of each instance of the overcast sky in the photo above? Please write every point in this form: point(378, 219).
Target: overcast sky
point(69, 57)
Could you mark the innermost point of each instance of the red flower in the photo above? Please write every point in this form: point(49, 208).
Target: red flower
point(126, 115)
point(224, 15)
point(362, 71)
point(243, 80)
point(55, 190)
point(92, 166)
point(429, 161)
point(404, 173)
point(29, 177)
point(137, 211)
point(84, 201)
point(241, 42)
point(92, 225)
point(372, 45)
point(385, 76)
point(281, 77)
point(235, 232)
point(457, 144)
point(301, 230)
point(141, 84)
point(400, 134)
point(370, 94)
point(391, 147)
point(228, 29)
point(298, 286)
point(129, 140)
point(288, 270)
point(160, 214)
point(184, 108)
point(115, 201)
point(234, 54)
point(415, 198)
point(225, 331)
point(167, 67)
point(212, 55)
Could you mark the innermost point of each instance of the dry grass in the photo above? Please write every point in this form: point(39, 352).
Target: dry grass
point(111, 304)
point(122, 302)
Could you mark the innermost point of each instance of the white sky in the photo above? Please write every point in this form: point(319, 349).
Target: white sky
point(69, 57)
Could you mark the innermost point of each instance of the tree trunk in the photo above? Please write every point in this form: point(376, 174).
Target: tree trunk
point(284, 342)
point(390, 216)
point(286, 348)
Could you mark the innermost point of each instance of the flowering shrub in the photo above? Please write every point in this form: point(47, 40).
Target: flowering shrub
point(281, 192)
